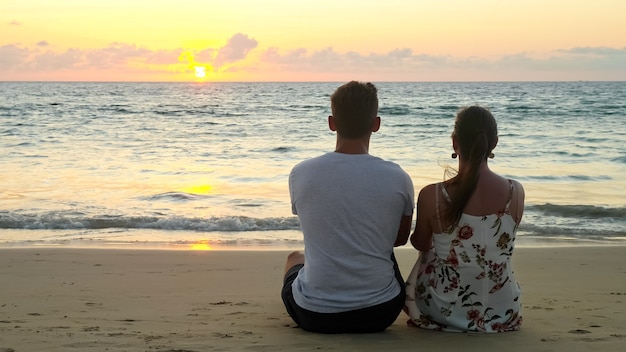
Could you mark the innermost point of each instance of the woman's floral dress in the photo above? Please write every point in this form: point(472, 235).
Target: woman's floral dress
point(465, 281)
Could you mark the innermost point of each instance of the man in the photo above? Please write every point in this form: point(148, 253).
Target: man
point(353, 209)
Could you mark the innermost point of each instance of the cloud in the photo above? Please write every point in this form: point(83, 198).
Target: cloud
point(221, 59)
point(595, 51)
point(206, 55)
point(12, 55)
point(162, 57)
point(602, 58)
point(578, 58)
point(42, 57)
point(115, 55)
point(15, 23)
point(237, 47)
point(273, 55)
point(403, 64)
point(48, 61)
point(328, 59)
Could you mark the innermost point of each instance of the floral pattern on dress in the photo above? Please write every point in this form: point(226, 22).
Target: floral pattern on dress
point(465, 282)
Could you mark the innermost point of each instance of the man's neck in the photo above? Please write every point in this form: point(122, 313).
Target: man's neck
point(352, 146)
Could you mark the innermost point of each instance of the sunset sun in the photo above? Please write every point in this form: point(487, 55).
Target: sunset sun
point(200, 71)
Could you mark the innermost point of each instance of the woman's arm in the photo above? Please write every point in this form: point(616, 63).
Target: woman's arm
point(422, 236)
point(404, 230)
point(517, 203)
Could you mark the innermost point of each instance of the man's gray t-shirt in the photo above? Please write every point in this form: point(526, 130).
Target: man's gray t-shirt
point(349, 207)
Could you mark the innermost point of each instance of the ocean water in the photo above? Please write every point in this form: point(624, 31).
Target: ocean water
point(205, 165)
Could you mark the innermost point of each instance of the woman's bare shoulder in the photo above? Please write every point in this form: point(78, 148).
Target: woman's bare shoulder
point(428, 192)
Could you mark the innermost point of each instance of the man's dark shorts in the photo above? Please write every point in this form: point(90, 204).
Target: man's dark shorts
point(366, 320)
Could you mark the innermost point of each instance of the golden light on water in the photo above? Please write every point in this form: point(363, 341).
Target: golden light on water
point(202, 245)
point(198, 189)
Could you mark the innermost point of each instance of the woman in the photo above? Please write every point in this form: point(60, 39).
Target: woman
point(465, 232)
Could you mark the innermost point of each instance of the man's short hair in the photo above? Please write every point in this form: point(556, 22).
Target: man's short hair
point(354, 106)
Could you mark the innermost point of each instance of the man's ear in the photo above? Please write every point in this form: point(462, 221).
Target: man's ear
point(376, 124)
point(331, 123)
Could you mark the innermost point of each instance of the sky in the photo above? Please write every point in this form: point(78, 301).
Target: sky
point(317, 40)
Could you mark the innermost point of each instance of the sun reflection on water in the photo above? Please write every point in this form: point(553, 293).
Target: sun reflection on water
point(198, 189)
point(202, 245)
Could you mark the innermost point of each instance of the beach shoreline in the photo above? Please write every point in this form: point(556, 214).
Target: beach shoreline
point(95, 299)
point(148, 239)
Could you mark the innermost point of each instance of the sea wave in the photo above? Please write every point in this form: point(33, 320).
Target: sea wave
point(572, 232)
point(395, 110)
point(565, 178)
point(74, 221)
point(173, 196)
point(580, 211)
point(522, 108)
point(71, 220)
point(621, 159)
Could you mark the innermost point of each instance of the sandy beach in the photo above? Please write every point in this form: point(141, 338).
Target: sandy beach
point(65, 299)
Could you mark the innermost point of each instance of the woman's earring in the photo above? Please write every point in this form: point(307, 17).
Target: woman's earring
point(454, 155)
point(491, 155)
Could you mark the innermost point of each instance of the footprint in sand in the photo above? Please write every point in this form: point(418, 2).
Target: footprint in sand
point(579, 331)
point(219, 303)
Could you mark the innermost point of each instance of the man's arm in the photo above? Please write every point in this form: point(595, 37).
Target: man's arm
point(404, 230)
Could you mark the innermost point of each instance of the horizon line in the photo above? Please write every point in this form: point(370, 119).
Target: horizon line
point(332, 81)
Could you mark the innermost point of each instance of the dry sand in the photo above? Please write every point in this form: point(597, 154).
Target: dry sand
point(65, 299)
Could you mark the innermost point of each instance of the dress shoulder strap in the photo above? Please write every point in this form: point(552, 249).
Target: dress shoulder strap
point(510, 197)
point(444, 191)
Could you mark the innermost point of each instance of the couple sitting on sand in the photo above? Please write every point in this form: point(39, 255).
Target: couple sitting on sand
point(354, 208)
